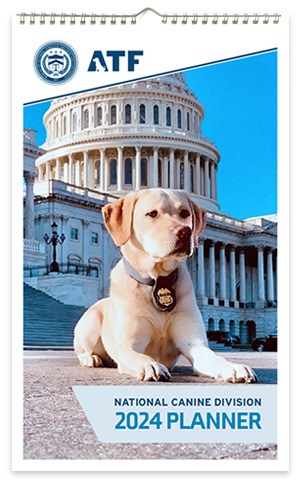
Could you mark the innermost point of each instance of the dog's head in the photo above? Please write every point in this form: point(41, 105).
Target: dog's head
point(162, 223)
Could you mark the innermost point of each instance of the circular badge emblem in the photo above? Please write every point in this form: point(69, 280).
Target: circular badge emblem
point(55, 62)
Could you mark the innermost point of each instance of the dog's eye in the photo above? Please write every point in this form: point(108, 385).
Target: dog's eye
point(184, 213)
point(152, 214)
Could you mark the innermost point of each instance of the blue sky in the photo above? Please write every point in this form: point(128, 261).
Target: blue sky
point(240, 101)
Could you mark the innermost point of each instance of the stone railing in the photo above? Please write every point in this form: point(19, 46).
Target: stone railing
point(225, 219)
point(33, 246)
point(104, 131)
point(63, 188)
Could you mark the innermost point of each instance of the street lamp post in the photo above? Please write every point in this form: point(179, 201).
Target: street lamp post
point(54, 240)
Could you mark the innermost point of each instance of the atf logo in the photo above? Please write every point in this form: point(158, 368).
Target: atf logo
point(113, 60)
point(55, 62)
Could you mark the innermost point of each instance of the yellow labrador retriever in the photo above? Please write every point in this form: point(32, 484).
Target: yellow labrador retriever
point(151, 315)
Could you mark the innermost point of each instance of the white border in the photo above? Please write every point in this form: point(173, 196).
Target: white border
point(264, 465)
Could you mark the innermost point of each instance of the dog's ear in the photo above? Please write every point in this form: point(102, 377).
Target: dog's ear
point(199, 219)
point(118, 218)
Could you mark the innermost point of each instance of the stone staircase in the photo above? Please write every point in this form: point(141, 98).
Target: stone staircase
point(47, 321)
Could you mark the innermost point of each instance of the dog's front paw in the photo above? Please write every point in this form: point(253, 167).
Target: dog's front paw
point(235, 373)
point(90, 360)
point(154, 371)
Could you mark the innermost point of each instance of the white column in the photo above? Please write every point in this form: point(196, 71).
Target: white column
point(69, 170)
point(102, 169)
point(155, 167)
point(242, 276)
point(58, 169)
point(91, 171)
point(77, 173)
point(201, 179)
point(39, 173)
point(201, 288)
point(66, 172)
point(85, 169)
point(270, 277)
point(165, 172)
point(47, 174)
point(186, 172)
point(198, 189)
point(178, 173)
point(222, 272)
point(138, 168)
point(213, 181)
point(106, 170)
point(260, 264)
point(172, 170)
point(29, 207)
point(206, 177)
point(150, 171)
point(120, 169)
point(212, 278)
point(232, 274)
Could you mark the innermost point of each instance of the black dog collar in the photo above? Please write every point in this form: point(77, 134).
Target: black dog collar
point(163, 293)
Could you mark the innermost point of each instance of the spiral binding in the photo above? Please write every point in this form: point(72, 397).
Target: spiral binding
point(83, 19)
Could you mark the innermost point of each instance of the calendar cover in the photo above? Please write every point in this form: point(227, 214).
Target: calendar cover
point(150, 163)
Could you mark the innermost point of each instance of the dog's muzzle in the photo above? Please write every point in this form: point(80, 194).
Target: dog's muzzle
point(183, 243)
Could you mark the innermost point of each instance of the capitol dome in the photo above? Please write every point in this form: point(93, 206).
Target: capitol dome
point(132, 136)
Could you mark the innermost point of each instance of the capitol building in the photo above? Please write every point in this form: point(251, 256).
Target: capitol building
point(104, 143)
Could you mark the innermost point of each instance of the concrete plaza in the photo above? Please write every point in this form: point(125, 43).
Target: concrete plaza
point(55, 426)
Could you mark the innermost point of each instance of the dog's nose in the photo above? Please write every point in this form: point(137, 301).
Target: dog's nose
point(183, 233)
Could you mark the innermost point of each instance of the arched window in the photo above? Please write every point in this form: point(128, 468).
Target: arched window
point(74, 263)
point(113, 114)
point(74, 121)
point(211, 324)
point(192, 179)
point(128, 171)
point(179, 119)
point(168, 116)
point(113, 172)
point(127, 113)
point(94, 267)
point(232, 327)
point(181, 174)
point(99, 116)
point(144, 172)
point(155, 115)
point(142, 114)
point(188, 121)
point(57, 129)
point(86, 117)
point(221, 324)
